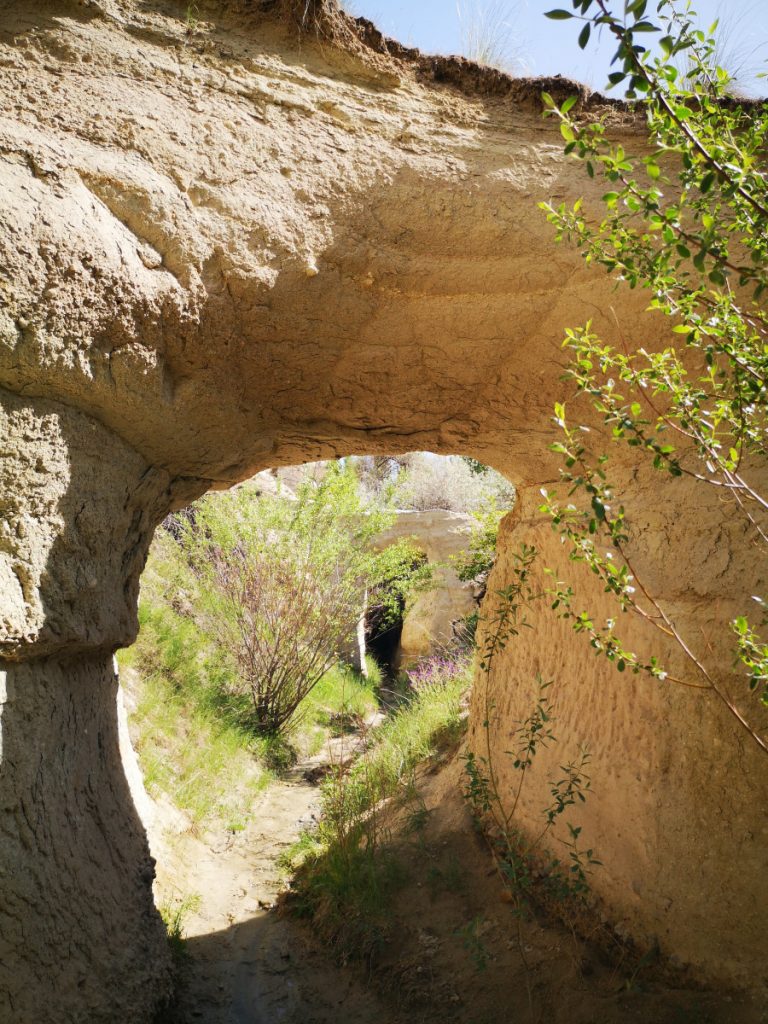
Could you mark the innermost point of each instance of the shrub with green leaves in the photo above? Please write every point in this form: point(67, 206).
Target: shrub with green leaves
point(284, 581)
point(686, 219)
point(193, 725)
point(475, 563)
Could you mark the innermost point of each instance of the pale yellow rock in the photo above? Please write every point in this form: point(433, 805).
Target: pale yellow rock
point(430, 619)
point(160, 334)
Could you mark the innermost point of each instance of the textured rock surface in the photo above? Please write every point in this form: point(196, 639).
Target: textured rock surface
point(430, 617)
point(80, 940)
point(677, 809)
point(78, 509)
point(248, 252)
point(230, 249)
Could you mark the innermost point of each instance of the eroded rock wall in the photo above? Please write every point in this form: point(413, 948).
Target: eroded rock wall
point(78, 510)
point(676, 812)
point(80, 940)
point(240, 249)
point(229, 248)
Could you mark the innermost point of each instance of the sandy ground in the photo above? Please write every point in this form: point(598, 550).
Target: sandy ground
point(453, 951)
point(247, 965)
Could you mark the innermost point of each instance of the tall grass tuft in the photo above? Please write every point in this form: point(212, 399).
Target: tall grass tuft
point(735, 48)
point(488, 34)
point(174, 914)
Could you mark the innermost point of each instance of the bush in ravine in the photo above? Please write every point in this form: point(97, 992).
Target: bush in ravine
point(283, 582)
point(475, 563)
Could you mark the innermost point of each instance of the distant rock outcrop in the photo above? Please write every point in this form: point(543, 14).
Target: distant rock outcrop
point(431, 618)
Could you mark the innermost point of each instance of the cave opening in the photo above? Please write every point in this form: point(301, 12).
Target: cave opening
point(179, 680)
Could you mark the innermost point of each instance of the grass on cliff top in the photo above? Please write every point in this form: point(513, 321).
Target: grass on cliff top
point(344, 871)
point(191, 734)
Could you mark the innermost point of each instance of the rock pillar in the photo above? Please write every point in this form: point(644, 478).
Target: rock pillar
point(80, 939)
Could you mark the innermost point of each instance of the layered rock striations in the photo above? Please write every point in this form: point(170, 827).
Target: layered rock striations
point(225, 246)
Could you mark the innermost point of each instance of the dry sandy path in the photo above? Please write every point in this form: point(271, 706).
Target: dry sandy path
point(246, 964)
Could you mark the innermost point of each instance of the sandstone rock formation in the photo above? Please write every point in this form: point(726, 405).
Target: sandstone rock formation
point(429, 619)
point(229, 246)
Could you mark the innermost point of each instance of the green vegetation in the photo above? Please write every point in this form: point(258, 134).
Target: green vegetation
point(346, 869)
point(194, 739)
point(283, 582)
point(174, 915)
point(192, 18)
point(688, 221)
point(340, 703)
point(474, 565)
point(246, 569)
point(188, 747)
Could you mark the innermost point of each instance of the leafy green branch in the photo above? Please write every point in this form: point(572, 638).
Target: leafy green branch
point(687, 220)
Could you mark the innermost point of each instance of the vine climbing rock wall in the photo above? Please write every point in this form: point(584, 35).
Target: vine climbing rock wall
point(675, 812)
point(226, 245)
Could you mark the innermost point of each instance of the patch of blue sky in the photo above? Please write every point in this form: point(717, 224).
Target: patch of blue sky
point(540, 46)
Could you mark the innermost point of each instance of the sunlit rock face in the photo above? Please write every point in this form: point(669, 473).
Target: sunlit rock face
point(233, 248)
point(432, 621)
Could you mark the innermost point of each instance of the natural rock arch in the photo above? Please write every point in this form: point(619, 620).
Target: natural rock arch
point(241, 248)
